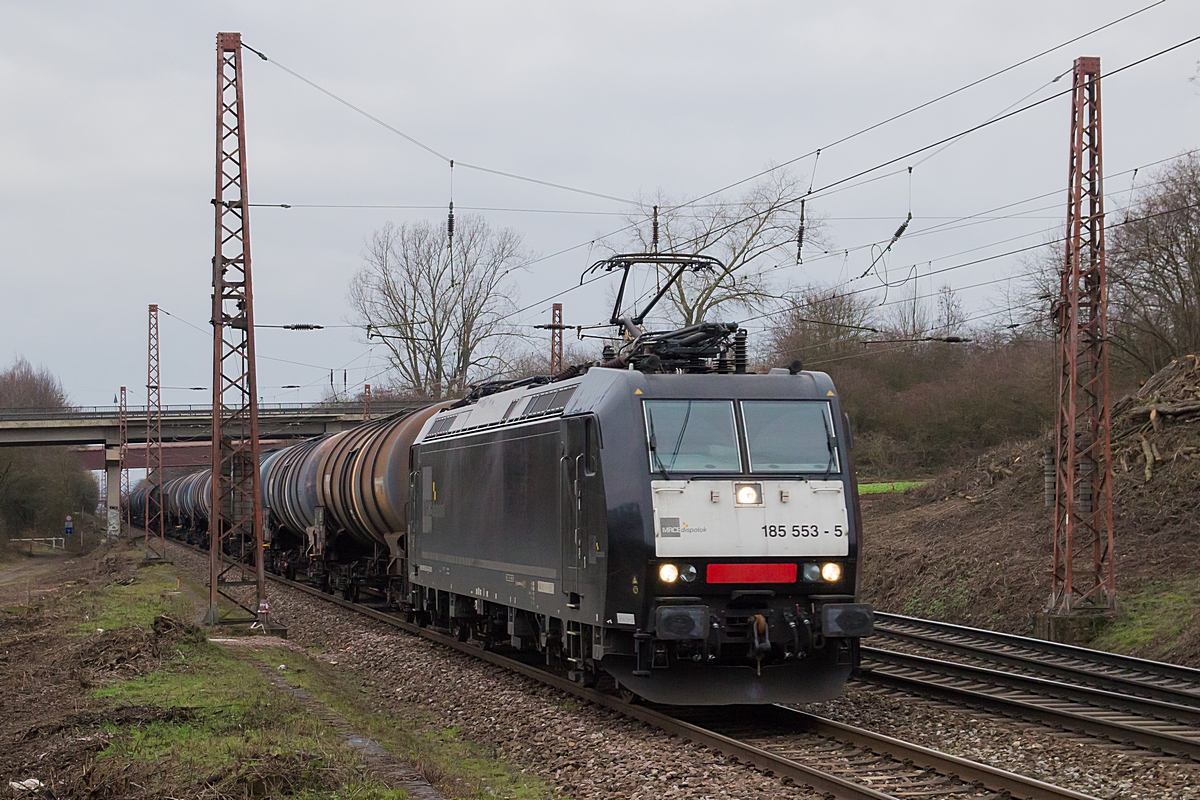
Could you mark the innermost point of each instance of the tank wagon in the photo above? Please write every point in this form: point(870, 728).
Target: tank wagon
point(661, 522)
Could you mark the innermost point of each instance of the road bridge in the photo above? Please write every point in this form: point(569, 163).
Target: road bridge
point(186, 431)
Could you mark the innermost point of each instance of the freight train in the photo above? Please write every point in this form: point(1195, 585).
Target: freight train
point(661, 523)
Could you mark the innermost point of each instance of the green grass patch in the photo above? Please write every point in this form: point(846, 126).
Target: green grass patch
point(154, 591)
point(205, 721)
point(457, 767)
point(888, 487)
point(210, 719)
point(1151, 618)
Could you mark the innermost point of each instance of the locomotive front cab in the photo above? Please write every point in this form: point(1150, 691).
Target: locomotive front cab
point(753, 579)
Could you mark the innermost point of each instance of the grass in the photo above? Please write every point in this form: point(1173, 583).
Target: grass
point(458, 767)
point(154, 591)
point(1152, 618)
point(221, 723)
point(888, 487)
point(207, 720)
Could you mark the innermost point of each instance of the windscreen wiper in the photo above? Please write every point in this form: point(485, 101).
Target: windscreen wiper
point(831, 443)
point(682, 429)
point(654, 444)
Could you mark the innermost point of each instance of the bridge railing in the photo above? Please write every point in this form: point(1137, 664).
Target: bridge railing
point(378, 408)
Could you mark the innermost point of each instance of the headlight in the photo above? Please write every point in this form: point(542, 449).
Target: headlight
point(812, 572)
point(747, 494)
point(668, 573)
point(831, 572)
point(687, 574)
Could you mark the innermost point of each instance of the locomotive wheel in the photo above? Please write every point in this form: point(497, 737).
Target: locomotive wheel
point(462, 631)
point(626, 695)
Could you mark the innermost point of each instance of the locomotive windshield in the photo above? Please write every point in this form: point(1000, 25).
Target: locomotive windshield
point(692, 436)
point(789, 436)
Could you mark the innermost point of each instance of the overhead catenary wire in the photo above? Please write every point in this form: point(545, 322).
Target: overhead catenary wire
point(1048, 243)
point(568, 249)
point(834, 185)
point(816, 152)
point(427, 148)
point(826, 188)
point(927, 103)
point(950, 138)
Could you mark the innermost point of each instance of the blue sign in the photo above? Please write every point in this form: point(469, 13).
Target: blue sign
point(69, 527)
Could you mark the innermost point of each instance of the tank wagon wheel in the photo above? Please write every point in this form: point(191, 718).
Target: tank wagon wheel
point(462, 631)
point(350, 593)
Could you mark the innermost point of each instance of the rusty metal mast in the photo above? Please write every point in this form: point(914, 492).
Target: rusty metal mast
point(366, 401)
point(1084, 574)
point(155, 539)
point(123, 456)
point(556, 340)
point(236, 515)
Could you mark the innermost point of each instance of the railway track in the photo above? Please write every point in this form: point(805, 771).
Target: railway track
point(1110, 671)
point(841, 761)
point(1130, 701)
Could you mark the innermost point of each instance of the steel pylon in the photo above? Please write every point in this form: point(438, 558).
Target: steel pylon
point(236, 520)
point(1084, 572)
point(155, 539)
point(123, 455)
point(556, 339)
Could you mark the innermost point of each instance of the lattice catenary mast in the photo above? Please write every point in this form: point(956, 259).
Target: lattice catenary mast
point(123, 455)
point(1084, 574)
point(556, 340)
point(236, 500)
point(155, 540)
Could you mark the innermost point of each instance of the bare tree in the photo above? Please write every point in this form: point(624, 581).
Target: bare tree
point(818, 323)
point(38, 485)
point(1153, 259)
point(949, 318)
point(439, 311)
point(24, 386)
point(908, 318)
point(1154, 270)
point(536, 361)
point(751, 236)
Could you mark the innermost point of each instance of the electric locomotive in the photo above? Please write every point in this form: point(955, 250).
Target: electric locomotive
point(661, 523)
point(664, 522)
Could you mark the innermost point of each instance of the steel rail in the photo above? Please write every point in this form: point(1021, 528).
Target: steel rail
point(1170, 682)
point(1017, 786)
point(1073, 708)
point(1139, 706)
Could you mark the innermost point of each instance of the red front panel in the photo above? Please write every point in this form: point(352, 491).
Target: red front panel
point(751, 573)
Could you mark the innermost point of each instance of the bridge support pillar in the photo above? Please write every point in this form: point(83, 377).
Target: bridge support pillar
point(112, 502)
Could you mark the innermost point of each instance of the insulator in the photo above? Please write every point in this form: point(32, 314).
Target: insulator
point(450, 222)
point(739, 352)
point(654, 232)
point(800, 237)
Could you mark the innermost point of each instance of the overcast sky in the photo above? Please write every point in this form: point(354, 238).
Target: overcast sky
point(107, 142)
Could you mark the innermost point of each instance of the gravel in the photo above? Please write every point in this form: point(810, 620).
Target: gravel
point(580, 750)
point(589, 752)
point(1083, 764)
